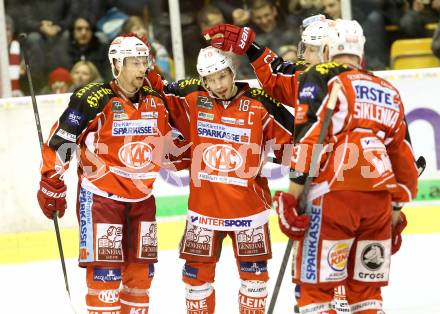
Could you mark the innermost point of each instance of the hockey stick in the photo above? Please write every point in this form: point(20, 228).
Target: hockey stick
point(23, 42)
point(303, 199)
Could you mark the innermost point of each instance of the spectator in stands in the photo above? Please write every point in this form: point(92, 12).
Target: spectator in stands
point(83, 73)
point(412, 24)
point(233, 12)
point(269, 30)
point(94, 8)
point(370, 15)
point(209, 16)
point(146, 9)
point(298, 10)
point(190, 32)
point(59, 82)
point(332, 9)
point(289, 53)
point(134, 24)
point(436, 42)
point(82, 44)
point(44, 22)
point(16, 67)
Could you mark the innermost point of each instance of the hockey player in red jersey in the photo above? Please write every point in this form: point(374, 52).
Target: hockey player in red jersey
point(118, 131)
point(277, 77)
point(230, 126)
point(365, 175)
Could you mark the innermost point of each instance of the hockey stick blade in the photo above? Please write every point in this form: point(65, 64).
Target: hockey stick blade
point(421, 165)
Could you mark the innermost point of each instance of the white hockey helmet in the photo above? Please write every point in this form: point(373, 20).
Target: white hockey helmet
point(212, 60)
point(128, 45)
point(345, 37)
point(314, 33)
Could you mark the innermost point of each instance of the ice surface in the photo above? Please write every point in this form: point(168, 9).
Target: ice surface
point(39, 287)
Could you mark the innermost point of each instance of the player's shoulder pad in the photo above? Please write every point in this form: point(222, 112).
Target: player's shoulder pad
point(274, 107)
point(147, 90)
point(93, 95)
point(301, 65)
point(260, 95)
point(184, 87)
point(326, 70)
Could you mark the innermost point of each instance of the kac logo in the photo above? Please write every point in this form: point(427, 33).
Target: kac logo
point(136, 155)
point(222, 157)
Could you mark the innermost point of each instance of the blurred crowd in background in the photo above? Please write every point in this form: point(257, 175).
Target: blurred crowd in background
point(68, 39)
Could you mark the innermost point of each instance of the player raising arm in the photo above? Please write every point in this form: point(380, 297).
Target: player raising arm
point(365, 175)
point(231, 126)
point(277, 77)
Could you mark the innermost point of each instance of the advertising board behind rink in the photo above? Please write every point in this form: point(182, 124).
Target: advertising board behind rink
point(417, 87)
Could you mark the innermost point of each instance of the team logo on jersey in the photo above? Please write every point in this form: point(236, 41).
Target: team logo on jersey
point(109, 242)
point(117, 106)
point(136, 155)
point(198, 240)
point(148, 240)
point(251, 242)
point(108, 296)
point(222, 157)
point(205, 115)
point(204, 102)
point(74, 118)
point(308, 92)
point(373, 256)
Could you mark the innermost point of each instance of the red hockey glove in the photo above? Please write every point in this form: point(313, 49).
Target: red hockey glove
point(52, 196)
point(396, 235)
point(236, 39)
point(291, 224)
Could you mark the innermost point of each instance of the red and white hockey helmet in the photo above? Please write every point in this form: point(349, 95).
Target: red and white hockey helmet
point(345, 37)
point(212, 60)
point(129, 45)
